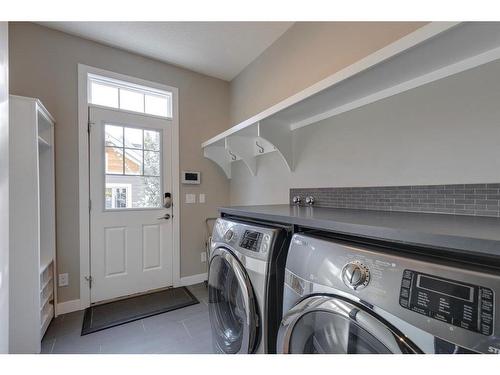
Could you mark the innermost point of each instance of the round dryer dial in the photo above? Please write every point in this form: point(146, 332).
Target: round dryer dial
point(228, 236)
point(355, 275)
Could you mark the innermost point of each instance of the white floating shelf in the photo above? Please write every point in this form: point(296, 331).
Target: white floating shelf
point(433, 52)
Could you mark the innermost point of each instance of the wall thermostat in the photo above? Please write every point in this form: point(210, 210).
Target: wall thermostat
point(190, 177)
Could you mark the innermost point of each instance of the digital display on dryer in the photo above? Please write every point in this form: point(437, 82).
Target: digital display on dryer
point(446, 288)
point(251, 240)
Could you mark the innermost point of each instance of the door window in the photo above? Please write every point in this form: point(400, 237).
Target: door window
point(132, 168)
point(320, 332)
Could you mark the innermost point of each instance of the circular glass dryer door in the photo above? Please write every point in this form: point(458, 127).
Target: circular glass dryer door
point(232, 309)
point(324, 324)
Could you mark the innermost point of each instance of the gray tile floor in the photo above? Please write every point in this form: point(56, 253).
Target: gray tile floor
point(185, 330)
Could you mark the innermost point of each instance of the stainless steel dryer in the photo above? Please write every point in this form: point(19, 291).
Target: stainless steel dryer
point(341, 297)
point(244, 260)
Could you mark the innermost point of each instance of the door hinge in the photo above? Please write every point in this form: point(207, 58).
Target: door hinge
point(90, 205)
point(89, 279)
point(89, 126)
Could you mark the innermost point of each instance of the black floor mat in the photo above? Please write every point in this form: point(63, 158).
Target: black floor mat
point(112, 314)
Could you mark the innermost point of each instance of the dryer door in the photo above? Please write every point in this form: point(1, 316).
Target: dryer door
point(233, 314)
point(325, 324)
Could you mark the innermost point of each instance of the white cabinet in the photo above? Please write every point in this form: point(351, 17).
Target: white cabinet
point(32, 224)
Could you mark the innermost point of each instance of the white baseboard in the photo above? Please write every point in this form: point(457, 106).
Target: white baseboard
point(68, 306)
point(193, 279)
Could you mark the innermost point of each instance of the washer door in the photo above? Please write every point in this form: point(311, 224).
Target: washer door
point(233, 314)
point(325, 324)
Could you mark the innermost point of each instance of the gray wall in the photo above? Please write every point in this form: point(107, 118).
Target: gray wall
point(44, 65)
point(305, 54)
point(4, 188)
point(446, 132)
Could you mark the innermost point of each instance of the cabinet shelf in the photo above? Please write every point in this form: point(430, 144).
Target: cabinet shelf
point(47, 315)
point(433, 52)
point(43, 143)
point(46, 300)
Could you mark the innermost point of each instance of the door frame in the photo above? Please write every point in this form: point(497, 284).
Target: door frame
point(84, 174)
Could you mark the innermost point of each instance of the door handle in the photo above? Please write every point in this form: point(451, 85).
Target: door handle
point(164, 217)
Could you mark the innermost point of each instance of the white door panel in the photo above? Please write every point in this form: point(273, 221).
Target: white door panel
point(115, 250)
point(130, 170)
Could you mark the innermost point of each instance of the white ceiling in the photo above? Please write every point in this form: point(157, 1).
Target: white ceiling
point(218, 49)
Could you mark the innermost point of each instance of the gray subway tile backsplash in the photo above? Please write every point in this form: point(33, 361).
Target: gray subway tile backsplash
point(460, 199)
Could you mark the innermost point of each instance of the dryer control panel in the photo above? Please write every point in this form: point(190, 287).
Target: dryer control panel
point(463, 305)
point(251, 240)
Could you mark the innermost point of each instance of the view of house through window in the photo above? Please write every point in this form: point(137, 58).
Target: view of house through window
point(132, 167)
point(118, 195)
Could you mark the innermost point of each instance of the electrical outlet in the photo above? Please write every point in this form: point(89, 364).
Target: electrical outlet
point(63, 279)
point(201, 198)
point(203, 257)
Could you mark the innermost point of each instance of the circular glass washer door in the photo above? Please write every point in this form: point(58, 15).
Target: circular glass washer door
point(231, 306)
point(324, 324)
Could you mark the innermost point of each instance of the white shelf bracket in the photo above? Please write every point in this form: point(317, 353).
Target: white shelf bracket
point(279, 134)
point(243, 147)
point(220, 156)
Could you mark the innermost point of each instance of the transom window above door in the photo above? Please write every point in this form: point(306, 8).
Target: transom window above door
point(126, 96)
point(132, 167)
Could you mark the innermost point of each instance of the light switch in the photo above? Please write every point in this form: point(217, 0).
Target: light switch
point(190, 198)
point(63, 279)
point(201, 198)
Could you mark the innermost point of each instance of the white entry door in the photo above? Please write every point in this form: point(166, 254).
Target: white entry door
point(131, 231)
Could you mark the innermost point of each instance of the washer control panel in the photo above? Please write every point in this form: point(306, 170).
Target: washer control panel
point(463, 305)
point(355, 275)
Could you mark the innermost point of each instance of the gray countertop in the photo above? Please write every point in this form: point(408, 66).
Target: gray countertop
point(472, 235)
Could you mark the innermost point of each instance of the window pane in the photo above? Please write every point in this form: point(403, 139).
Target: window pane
point(132, 192)
point(103, 95)
point(133, 161)
point(108, 196)
point(151, 163)
point(151, 195)
point(151, 140)
point(158, 105)
point(131, 100)
point(133, 138)
point(113, 135)
point(114, 160)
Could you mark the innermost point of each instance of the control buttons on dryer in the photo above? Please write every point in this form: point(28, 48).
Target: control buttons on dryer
point(404, 294)
point(486, 325)
point(355, 275)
